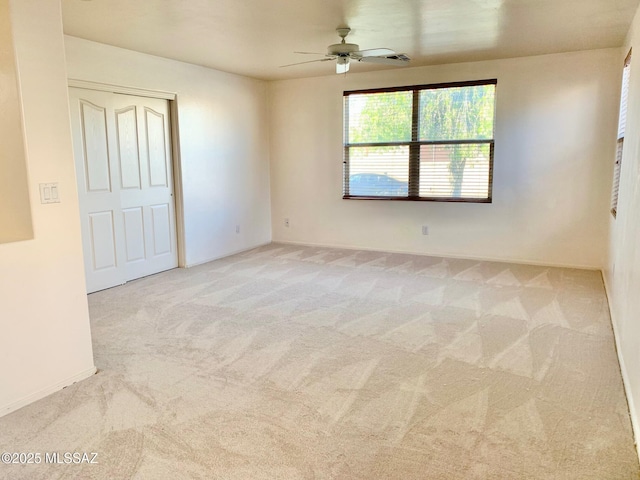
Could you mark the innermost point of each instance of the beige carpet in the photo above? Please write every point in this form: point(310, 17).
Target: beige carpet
point(291, 362)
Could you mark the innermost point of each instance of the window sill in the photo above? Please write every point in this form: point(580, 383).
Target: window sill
point(419, 199)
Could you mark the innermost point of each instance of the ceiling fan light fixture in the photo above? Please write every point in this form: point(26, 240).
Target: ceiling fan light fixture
point(342, 64)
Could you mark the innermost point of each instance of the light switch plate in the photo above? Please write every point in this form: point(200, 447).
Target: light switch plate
point(49, 193)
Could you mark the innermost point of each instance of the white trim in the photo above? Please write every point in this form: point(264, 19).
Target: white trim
point(234, 252)
point(633, 412)
point(107, 87)
point(442, 255)
point(178, 195)
point(24, 401)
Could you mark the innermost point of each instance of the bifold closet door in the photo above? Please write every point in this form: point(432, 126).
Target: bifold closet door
point(123, 167)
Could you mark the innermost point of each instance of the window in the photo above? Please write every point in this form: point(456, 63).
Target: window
point(427, 142)
point(622, 123)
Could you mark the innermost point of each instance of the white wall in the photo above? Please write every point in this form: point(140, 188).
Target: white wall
point(556, 115)
point(622, 275)
point(45, 342)
point(224, 150)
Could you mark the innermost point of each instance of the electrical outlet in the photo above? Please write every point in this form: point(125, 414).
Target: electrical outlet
point(286, 222)
point(425, 230)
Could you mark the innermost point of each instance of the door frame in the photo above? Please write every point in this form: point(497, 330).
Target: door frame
point(176, 168)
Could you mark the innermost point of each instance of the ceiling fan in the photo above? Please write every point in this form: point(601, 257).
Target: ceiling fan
point(344, 52)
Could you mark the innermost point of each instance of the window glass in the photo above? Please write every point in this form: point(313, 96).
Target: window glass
point(385, 117)
point(459, 113)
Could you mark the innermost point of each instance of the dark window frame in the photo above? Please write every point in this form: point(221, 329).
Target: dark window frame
point(414, 145)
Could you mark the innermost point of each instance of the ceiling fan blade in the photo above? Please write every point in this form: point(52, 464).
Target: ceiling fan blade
point(374, 52)
point(309, 61)
point(399, 60)
point(310, 53)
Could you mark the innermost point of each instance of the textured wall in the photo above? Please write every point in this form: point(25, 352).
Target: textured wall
point(45, 342)
point(556, 116)
point(622, 274)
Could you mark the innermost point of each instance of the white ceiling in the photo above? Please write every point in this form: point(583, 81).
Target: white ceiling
point(255, 37)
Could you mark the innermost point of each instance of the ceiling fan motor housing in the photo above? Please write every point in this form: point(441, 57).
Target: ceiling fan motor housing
point(342, 49)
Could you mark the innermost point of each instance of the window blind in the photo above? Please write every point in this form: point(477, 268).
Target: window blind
point(622, 125)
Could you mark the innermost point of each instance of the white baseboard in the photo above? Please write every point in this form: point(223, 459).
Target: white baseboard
point(633, 412)
point(441, 255)
point(40, 394)
point(233, 252)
